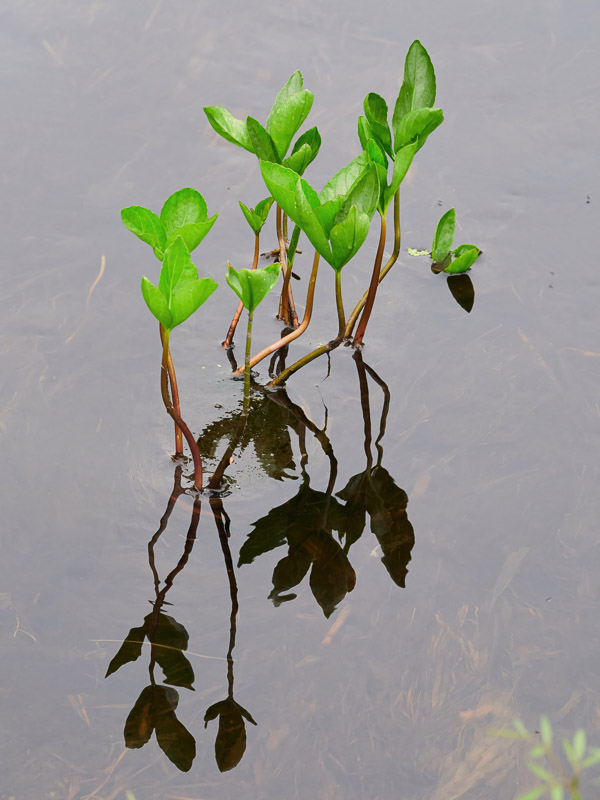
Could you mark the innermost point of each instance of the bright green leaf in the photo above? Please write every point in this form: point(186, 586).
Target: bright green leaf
point(417, 125)
point(404, 158)
point(229, 127)
point(540, 772)
point(253, 285)
point(364, 194)
point(177, 264)
point(157, 303)
point(365, 133)
point(347, 237)
point(579, 744)
point(376, 112)
point(342, 181)
point(312, 138)
point(308, 219)
point(299, 160)
point(545, 729)
point(263, 145)
point(468, 256)
point(146, 226)
point(256, 217)
point(418, 86)
point(292, 86)
point(281, 183)
point(192, 234)
point(262, 209)
point(557, 793)
point(285, 120)
point(443, 237)
point(183, 207)
point(188, 297)
point(593, 758)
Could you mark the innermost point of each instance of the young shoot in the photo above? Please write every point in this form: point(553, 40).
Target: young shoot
point(444, 258)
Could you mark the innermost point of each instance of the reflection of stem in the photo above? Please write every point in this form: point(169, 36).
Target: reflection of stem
point(362, 325)
point(300, 329)
point(188, 547)
point(384, 411)
point(222, 522)
point(164, 520)
point(174, 395)
point(240, 308)
point(392, 260)
point(364, 403)
point(339, 303)
point(176, 417)
point(325, 348)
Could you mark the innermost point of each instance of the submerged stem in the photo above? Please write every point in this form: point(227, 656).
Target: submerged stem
point(392, 260)
point(174, 395)
point(240, 308)
point(176, 416)
point(362, 325)
point(299, 330)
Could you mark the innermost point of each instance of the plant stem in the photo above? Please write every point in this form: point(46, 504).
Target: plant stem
point(325, 348)
point(392, 260)
point(299, 330)
point(176, 417)
point(247, 364)
point(174, 395)
point(240, 308)
point(362, 325)
point(339, 303)
point(287, 309)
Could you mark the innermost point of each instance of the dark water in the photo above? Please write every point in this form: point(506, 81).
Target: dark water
point(492, 419)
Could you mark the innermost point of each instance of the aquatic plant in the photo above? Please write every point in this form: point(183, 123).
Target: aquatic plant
point(557, 778)
point(445, 259)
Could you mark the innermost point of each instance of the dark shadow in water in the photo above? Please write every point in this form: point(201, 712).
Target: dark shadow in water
point(463, 291)
point(307, 521)
point(154, 710)
point(230, 744)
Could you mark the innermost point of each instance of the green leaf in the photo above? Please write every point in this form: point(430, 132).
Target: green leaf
point(292, 86)
point(365, 132)
point(308, 217)
point(281, 183)
point(146, 226)
point(263, 144)
point(404, 158)
point(444, 236)
point(557, 793)
point(347, 237)
point(188, 296)
point(342, 181)
point(418, 86)
point(593, 758)
point(579, 744)
point(157, 303)
point(468, 255)
point(540, 772)
point(229, 127)
point(364, 194)
point(183, 208)
point(130, 650)
point(312, 138)
point(299, 160)
point(546, 730)
point(285, 120)
point(253, 285)
point(376, 112)
point(417, 125)
point(193, 234)
point(533, 794)
point(262, 209)
point(176, 264)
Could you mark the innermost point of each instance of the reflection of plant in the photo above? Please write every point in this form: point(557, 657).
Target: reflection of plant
point(556, 778)
point(230, 744)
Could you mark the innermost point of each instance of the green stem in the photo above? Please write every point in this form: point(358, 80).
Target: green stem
point(175, 416)
point(293, 246)
point(339, 303)
point(287, 309)
point(240, 308)
point(392, 260)
point(247, 364)
point(362, 325)
point(310, 294)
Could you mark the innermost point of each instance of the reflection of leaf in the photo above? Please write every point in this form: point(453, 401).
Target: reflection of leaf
point(130, 650)
point(178, 670)
point(463, 291)
point(155, 709)
point(231, 736)
point(305, 522)
point(374, 492)
point(171, 638)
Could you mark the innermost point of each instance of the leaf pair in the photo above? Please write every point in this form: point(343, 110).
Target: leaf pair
point(272, 141)
point(183, 214)
point(230, 744)
point(154, 710)
point(179, 292)
point(336, 221)
point(253, 285)
point(256, 217)
point(169, 638)
point(441, 250)
point(413, 121)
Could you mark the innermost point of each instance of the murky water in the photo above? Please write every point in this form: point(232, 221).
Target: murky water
point(413, 548)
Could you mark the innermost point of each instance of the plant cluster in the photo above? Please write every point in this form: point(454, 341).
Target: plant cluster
point(336, 222)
